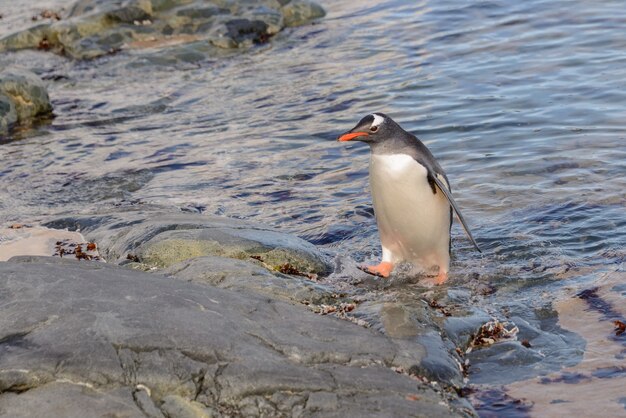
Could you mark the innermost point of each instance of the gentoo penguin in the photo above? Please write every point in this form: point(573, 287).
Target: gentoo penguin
point(412, 198)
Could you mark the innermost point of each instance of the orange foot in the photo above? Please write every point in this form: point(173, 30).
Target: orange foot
point(436, 280)
point(441, 277)
point(381, 270)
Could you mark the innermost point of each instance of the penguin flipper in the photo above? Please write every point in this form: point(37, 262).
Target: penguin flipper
point(446, 193)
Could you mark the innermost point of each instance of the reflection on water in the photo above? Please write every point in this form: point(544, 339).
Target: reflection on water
point(595, 386)
point(521, 102)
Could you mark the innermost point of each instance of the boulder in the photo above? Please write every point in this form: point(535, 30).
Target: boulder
point(23, 98)
point(93, 339)
point(159, 239)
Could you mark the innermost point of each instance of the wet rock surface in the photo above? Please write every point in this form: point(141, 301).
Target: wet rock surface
point(426, 335)
point(227, 273)
point(94, 28)
point(116, 341)
point(156, 239)
point(23, 99)
point(548, 345)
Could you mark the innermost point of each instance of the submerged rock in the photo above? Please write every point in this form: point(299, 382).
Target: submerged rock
point(95, 27)
point(23, 98)
point(92, 336)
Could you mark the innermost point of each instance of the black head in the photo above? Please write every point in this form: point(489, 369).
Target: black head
point(384, 136)
point(372, 129)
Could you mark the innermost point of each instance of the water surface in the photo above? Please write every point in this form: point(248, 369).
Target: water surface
point(523, 104)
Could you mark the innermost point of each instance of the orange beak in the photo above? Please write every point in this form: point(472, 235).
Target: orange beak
point(351, 135)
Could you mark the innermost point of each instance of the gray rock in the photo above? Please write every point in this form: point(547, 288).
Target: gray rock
point(69, 399)
point(422, 348)
point(397, 321)
point(160, 239)
point(298, 12)
point(194, 11)
point(96, 27)
point(232, 274)
point(439, 363)
point(175, 406)
point(89, 338)
point(176, 245)
point(218, 271)
point(23, 98)
point(145, 403)
point(322, 401)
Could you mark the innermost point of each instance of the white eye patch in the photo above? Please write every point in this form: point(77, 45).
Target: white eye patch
point(378, 120)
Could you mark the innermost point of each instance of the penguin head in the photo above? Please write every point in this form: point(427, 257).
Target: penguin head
point(372, 129)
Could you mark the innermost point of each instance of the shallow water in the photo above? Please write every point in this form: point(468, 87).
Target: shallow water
point(521, 102)
point(601, 372)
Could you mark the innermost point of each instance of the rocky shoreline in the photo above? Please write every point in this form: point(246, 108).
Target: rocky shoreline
point(95, 28)
point(137, 134)
point(211, 331)
point(195, 315)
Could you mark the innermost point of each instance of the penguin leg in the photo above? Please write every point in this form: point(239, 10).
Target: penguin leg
point(381, 270)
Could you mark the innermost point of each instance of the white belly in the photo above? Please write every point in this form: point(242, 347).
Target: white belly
point(414, 223)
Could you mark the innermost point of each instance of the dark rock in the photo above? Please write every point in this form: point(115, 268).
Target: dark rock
point(241, 30)
point(438, 363)
point(193, 248)
point(93, 337)
point(128, 14)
